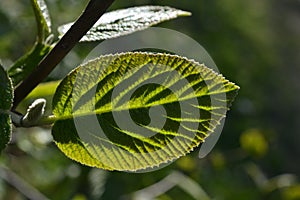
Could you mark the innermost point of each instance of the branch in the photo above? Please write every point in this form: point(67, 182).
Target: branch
point(22, 186)
point(94, 10)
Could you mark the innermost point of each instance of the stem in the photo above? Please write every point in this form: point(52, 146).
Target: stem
point(44, 121)
point(17, 120)
point(94, 10)
point(20, 184)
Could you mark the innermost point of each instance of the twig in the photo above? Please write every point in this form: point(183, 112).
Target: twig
point(22, 186)
point(173, 179)
point(94, 10)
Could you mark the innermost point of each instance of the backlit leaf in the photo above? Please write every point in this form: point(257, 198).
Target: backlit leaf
point(138, 110)
point(6, 94)
point(125, 21)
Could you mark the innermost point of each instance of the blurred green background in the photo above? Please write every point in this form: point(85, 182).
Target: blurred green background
point(255, 44)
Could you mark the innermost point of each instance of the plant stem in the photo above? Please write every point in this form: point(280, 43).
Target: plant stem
point(47, 120)
point(20, 184)
point(94, 10)
point(44, 121)
point(18, 121)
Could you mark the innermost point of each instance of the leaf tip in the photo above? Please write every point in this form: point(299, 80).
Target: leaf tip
point(185, 13)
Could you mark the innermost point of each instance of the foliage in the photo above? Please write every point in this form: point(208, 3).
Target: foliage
point(125, 21)
point(5, 105)
point(123, 148)
point(255, 43)
point(130, 150)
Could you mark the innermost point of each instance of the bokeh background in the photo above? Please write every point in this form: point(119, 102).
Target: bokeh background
point(255, 44)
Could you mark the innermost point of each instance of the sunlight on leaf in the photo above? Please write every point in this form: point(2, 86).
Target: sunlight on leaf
point(125, 21)
point(6, 94)
point(27, 63)
point(137, 110)
point(43, 90)
point(42, 19)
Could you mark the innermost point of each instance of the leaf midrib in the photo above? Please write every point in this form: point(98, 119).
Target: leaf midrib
point(120, 108)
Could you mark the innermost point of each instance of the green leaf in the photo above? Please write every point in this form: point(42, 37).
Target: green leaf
point(27, 63)
point(138, 110)
point(6, 93)
point(42, 19)
point(125, 21)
